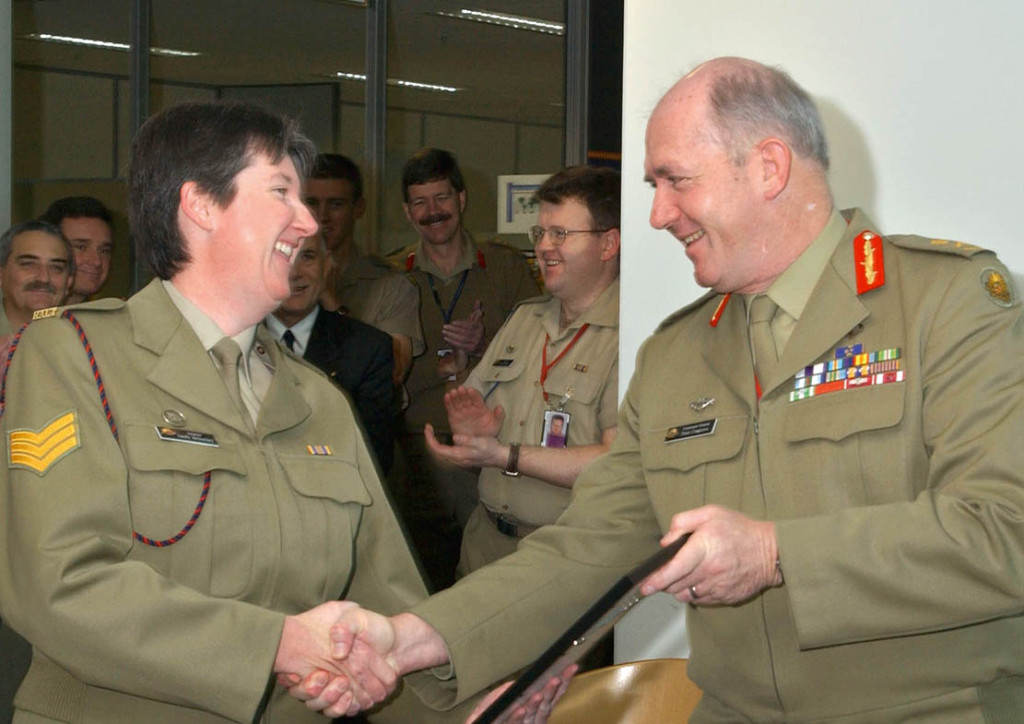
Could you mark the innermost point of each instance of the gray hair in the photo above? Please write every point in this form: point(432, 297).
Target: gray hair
point(752, 99)
point(7, 240)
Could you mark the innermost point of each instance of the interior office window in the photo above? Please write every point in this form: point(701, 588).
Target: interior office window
point(70, 60)
point(486, 83)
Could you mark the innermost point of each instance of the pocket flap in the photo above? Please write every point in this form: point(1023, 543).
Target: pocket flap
point(687, 452)
point(147, 451)
point(325, 477)
point(837, 415)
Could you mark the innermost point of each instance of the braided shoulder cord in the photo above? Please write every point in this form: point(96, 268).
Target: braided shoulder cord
point(204, 493)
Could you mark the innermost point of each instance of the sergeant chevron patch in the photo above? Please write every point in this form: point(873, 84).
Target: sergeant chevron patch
point(37, 450)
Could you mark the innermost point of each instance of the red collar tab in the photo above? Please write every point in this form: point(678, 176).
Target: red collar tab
point(410, 260)
point(480, 259)
point(719, 309)
point(869, 262)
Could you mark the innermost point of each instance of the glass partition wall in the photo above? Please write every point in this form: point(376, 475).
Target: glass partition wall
point(487, 83)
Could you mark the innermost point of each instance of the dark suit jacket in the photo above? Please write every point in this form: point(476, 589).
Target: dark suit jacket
point(360, 359)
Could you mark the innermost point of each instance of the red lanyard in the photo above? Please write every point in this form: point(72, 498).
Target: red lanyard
point(545, 367)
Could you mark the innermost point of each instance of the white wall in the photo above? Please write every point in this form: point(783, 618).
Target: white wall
point(922, 104)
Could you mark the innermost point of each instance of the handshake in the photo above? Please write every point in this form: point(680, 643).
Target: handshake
point(340, 659)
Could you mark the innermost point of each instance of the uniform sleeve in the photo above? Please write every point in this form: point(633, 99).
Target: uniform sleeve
point(401, 312)
point(520, 604)
point(953, 554)
point(66, 582)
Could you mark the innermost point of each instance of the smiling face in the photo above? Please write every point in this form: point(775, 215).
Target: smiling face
point(254, 239)
point(332, 202)
point(573, 270)
point(92, 244)
point(306, 282)
point(37, 275)
point(702, 197)
point(435, 210)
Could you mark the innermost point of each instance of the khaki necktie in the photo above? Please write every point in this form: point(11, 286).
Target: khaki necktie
point(762, 309)
point(228, 355)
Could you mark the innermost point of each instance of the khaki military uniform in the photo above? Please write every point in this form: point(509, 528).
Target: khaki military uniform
point(5, 323)
point(127, 632)
point(437, 498)
point(898, 506)
point(498, 276)
point(586, 378)
point(374, 293)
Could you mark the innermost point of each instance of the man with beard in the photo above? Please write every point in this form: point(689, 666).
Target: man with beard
point(466, 290)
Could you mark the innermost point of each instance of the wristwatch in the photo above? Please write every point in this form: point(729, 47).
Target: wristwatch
point(512, 464)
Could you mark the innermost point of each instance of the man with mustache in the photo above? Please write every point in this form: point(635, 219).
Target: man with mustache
point(36, 272)
point(466, 290)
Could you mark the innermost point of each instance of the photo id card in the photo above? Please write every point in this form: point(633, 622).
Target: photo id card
point(556, 428)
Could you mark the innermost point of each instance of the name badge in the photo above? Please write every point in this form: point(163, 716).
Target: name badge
point(692, 430)
point(190, 436)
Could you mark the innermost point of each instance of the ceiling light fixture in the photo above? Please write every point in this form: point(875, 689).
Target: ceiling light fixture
point(403, 83)
point(505, 20)
point(104, 44)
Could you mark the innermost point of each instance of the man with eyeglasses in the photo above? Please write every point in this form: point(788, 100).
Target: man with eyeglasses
point(543, 401)
point(466, 290)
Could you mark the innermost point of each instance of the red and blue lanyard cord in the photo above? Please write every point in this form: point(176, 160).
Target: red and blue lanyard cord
point(203, 494)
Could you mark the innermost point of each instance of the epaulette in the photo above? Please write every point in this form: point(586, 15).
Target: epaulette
point(945, 246)
point(685, 311)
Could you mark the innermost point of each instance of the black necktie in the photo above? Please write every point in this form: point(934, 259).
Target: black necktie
point(289, 339)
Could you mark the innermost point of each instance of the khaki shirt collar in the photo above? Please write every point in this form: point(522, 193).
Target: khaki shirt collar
point(604, 312)
point(793, 288)
point(205, 328)
point(466, 260)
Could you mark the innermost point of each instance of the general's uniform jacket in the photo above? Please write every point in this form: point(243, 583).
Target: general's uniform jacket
point(127, 632)
point(898, 506)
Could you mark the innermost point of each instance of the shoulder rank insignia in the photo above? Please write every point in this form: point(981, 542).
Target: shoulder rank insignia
point(44, 313)
point(867, 256)
point(37, 450)
point(999, 290)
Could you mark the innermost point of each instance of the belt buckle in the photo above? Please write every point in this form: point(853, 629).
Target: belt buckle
point(506, 526)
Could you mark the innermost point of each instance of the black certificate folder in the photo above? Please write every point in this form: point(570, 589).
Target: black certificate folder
point(581, 636)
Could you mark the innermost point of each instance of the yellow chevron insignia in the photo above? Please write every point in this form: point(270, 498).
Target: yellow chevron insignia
point(38, 450)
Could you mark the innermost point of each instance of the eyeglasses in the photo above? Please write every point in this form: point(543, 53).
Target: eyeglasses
point(558, 236)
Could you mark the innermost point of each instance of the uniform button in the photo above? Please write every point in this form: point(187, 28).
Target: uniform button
point(522, 422)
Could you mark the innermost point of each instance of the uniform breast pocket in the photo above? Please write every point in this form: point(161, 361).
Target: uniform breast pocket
point(165, 484)
point(695, 463)
point(330, 499)
point(850, 444)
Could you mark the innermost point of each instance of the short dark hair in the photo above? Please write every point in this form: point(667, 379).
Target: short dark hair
point(22, 227)
point(342, 168)
point(78, 207)
point(431, 164)
point(209, 143)
point(597, 188)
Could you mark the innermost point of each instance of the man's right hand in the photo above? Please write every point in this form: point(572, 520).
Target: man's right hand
point(468, 414)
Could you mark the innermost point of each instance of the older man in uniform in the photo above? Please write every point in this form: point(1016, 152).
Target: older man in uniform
point(466, 290)
point(543, 401)
point(37, 269)
point(179, 494)
point(837, 424)
point(357, 283)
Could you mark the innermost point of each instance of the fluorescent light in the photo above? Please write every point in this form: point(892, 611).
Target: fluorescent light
point(518, 22)
point(403, 83)
point(104, 44)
